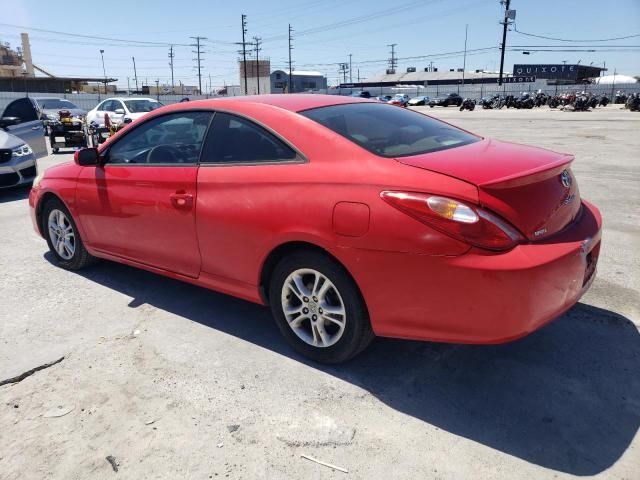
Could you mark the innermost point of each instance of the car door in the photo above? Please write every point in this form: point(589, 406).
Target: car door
point(30, 128)
point(241, 166)
point(140, 205)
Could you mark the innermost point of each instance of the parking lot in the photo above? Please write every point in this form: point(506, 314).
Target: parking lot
point(175, 381)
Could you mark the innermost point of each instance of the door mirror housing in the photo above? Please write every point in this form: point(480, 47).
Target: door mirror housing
point(119, 111)
point(8, 121)
point(86, 157)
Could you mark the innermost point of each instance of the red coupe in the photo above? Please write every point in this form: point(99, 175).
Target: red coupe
point(348, 217)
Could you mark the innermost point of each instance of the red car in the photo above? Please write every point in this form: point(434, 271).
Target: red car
point(348, 217)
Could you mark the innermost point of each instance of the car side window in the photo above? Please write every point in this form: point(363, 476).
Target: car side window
point(102, 105)
point(21, 108)
point(234, 139)
point(170, 139)
point(117, 104)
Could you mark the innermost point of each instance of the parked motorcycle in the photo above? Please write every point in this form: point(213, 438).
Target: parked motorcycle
point(467, 104)
point(620, 97)
point(540, 99)
point(633, 102)
point(604, 101)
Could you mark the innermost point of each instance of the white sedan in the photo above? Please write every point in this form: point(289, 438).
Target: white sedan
point(122, 109)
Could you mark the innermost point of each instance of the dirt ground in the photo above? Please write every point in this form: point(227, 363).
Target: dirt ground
point(168, 380)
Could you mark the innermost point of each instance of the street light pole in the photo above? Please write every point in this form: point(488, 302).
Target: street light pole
point(104, 72)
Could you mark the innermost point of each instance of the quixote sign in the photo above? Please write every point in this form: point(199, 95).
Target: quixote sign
point(569, 72)
point(519, 79)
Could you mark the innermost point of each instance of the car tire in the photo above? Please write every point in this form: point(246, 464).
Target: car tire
point(69, 252)
point(299, 284)
point(55, 149)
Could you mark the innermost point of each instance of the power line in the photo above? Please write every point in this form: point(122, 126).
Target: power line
point(93, 37)
point(515, 29)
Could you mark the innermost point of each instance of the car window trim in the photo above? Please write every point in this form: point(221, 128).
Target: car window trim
point(300, 157)
point(168, 164)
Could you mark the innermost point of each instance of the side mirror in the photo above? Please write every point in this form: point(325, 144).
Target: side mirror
point(119, 111)
point(86, 157)
point(127, 120)
point(8, 121)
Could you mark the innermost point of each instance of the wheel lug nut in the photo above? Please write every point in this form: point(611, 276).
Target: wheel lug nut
point(320, 310)
point(315, 299)
point(305, 310)
point(305, 299)
point(314, 317)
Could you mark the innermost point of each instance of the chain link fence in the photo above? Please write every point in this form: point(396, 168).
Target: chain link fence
point(88, 101)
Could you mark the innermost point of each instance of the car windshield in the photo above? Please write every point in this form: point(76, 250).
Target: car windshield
point(141, 106)
point(53, 103)
point(389, 131)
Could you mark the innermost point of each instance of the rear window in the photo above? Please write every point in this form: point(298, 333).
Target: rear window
point(389, 131)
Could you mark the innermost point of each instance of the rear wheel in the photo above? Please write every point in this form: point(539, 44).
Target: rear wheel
point(318, 307)
point(63, 238)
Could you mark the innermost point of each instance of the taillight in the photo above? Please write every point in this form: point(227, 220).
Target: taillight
point(467, 223)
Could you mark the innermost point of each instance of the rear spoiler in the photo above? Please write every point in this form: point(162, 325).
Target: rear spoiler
point(530, 176)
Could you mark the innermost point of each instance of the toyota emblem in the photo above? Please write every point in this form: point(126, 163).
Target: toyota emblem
point(565, 178)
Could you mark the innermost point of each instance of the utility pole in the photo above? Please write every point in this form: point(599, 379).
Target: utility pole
point(505, 24)
point(128, 87)
point(256, 46)
point(104, 72)
point(244, 52)
point(135, 74)
point(171, 55)
point(198, 52)
point(342, 69)
point(393, 61)
point(290, 89)
point(464, 62)
point(157, 89)
point(350, 69)
point(209, 91)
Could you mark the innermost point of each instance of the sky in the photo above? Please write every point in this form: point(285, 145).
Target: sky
point(325, 33)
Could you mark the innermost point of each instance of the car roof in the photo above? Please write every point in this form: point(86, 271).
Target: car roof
point(293, 102)
point(132, 98)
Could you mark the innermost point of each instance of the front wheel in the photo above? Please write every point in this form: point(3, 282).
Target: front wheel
point(318, 307)
point(63, 238)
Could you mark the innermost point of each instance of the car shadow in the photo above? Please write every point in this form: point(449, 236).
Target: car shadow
point(13, 194)
point(566, 398)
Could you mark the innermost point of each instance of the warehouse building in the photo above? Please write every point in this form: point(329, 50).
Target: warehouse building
point(426, 77)
point(302, 81)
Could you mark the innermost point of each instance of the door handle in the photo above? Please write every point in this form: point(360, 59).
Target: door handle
point(181, 200)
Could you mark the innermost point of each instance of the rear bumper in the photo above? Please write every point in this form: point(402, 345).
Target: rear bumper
point(479, 297)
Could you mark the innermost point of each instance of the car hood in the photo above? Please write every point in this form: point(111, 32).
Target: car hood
point(531, 187)
point(8, 140)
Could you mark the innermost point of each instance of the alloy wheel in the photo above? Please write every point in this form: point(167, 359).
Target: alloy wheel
point(61, 234)
point(313, 308)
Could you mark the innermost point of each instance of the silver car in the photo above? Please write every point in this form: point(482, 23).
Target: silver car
point(22, 141)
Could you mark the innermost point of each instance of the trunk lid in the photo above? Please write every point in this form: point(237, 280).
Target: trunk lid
point(531, 187)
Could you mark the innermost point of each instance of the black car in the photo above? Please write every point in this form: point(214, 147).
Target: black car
point(361, 94)
point(446, 100)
